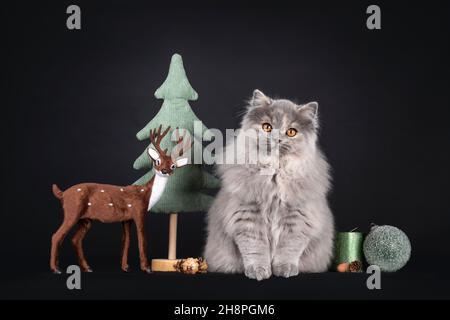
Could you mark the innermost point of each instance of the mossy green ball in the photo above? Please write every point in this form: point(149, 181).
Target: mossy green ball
point(387, 247)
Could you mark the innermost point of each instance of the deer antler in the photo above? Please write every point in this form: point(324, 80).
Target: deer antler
point(184, 141)
point(156, 137)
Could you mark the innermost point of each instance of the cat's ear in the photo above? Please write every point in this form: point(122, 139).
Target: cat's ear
point(310, 110)
point(259, 99)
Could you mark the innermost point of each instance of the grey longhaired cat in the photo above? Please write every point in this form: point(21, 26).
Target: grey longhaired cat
point(279, 223)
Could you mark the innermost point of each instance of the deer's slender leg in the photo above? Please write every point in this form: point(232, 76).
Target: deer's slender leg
point(142, 242)
point(83, 227)
point(125, 244)
point(57, 239)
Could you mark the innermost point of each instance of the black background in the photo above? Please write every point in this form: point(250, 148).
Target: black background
point(74, 100)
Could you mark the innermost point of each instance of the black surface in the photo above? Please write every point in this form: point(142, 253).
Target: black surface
point(74, 100)
point(117, 285)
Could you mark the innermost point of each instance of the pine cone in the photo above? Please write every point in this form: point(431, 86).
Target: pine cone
point(355, 266)
point(203, 265)
point(191, 266)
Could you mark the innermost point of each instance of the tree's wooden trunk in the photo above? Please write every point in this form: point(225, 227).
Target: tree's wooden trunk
point(173, 236)
point(169, 264)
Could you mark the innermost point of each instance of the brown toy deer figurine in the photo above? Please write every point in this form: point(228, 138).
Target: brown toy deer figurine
point(85, 202)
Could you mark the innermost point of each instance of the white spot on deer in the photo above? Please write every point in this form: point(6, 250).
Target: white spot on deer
point(129, 205)
point(121, 189)
point(89, 204)
point(110, 204)
point(78, 189)
point(142, 190)
point(102, 190)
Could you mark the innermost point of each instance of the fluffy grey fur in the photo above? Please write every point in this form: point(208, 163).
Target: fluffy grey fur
point(278, 223)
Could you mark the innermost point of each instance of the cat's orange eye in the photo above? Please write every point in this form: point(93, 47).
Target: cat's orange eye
point(291, 132)
point(267, 127)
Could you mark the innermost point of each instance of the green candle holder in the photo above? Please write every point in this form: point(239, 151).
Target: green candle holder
point(348, 248)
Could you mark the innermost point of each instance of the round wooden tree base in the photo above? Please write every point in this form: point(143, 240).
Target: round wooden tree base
point(164, 265)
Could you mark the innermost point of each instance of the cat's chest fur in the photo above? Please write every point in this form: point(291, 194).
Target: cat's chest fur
point(273, 200)
point(275, 191)
point(277, 198)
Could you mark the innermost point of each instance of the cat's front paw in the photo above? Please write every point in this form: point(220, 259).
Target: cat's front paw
point(285, 270)
point(258, 272)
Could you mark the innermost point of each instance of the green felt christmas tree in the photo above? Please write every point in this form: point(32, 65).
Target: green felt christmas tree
point(185, 189)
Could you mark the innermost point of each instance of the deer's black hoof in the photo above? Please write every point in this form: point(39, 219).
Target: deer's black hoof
point(147, 270)
point(56, 271)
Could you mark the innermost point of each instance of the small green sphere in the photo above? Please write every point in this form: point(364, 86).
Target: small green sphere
point(387, 247)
